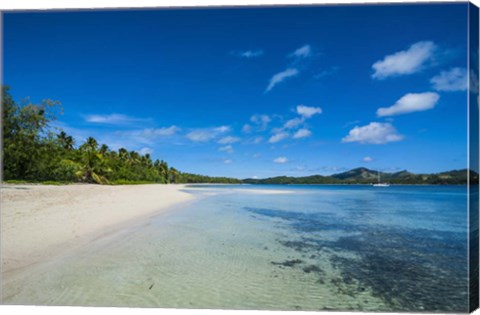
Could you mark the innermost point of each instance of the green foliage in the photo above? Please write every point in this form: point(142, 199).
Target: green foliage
point(29, 148)
point(33, 153)
point(65, 141)
point(196, 179)
point(67, 171)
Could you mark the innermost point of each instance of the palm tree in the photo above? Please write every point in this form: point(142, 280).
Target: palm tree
point(133, 158)
point(104, 149)
point(66, 142)
point(173, 175)
point(146, 161)
point(164, 171)
point(123, 154)
point(93, 164)
point(92, 144)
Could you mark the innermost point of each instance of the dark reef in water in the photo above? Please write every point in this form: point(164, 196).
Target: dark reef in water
point(313, 268)
point(288, 263)
point(409, 269)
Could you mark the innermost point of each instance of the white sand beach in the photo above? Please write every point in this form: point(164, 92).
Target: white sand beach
point(39, 222)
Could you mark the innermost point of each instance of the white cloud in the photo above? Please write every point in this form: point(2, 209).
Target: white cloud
point(228, 140)
point(373, 133)
point(367, 159)
point(307, 111)
point(405, 61)
point(302, 133)
point(222, 129)
point(258, 123)
point(207, 134)
point(281, 76)
point(261, 120)
point(302, 52)
point(257, 140)
point(159, 132)
point(278, 137)
point(411, 102)
point(227, 161)
point(247, 128)
point(248, 53)
point(133, 138)
point(456, 79)
point(200, 135)
point(227, 148)
point(113, 119)
point(280, 160)
point(292, 123)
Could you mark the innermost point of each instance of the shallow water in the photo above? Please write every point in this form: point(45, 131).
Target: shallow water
point(400, 248)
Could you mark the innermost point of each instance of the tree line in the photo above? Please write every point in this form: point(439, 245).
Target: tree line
point(35, 151)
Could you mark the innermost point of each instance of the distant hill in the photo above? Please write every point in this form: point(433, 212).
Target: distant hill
point(363, 175)
point(358, 174)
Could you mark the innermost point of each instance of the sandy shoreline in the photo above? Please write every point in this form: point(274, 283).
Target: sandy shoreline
point(39, 222)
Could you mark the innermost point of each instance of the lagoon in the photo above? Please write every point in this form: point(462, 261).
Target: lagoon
point(280, 247)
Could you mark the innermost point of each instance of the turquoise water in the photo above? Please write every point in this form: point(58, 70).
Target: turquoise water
point(361, 248)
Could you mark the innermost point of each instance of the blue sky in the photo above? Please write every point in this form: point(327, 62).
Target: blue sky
point(255, 92)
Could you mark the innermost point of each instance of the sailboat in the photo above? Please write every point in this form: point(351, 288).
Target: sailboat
point(379, 184)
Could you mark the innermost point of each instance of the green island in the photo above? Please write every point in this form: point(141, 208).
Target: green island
point(36, 152)
point(362, 175)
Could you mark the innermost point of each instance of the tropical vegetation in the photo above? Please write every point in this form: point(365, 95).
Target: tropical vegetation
point(34, 151)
